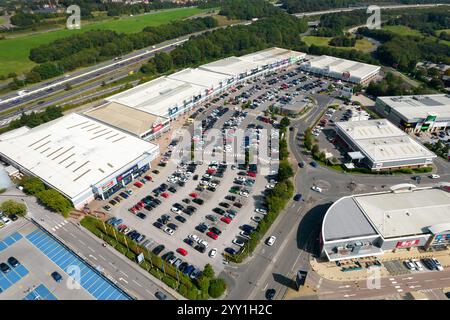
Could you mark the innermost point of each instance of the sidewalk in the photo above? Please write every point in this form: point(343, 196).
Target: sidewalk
point(330, 271)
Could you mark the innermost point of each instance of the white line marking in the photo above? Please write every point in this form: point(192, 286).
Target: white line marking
point(137, 283)
point(394, 282)
point(102, 257)
point(53, 229)
point(91, 249)
point(399, 290)
point(123, 273)
point(72, 234)
point(429, 280)
point(82, 242)
point(123, 280)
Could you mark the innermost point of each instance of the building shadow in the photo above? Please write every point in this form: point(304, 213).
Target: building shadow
point(285, 281)
point(309, 229)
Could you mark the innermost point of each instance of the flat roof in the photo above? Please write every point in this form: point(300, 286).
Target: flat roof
point(345, 220)
point(158, 95)
point(199, 77)
point(419, 106)
point(74, 152)
point(271, 55)
point(406, 213)
point(380, 140)
point(128, 119)
point(356, 69)
point(230, 66)
point(389, 214)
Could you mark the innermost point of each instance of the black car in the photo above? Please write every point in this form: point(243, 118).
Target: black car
point(230, 197)
point(198, 201)
point(195, 177)
point(218, 211)
point(270, 294)
point(215, 230)
point(172, 226)
point(230, 251)
point(4, 267)
point(13, 262)
point(181, 219)
point(212, 189)
point(141, 215)
point(201, 228)
point(158, 224)
point(186, 200)
point(301, 164)
point(172, 189)
point(188, 211)
point(155, 171)
point(247, 228)
point(237, 205)
point(167, 255)
point(224, 204)
point(157, 250)
point(13, 217)
point(200, 248)
point(189, 242)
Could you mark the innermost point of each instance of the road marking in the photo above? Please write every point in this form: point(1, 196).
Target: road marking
point(347, 286)
point(394, 282)
point(392, 279)
point(59, 225)
point(82, 242)
point(429, 280)
point(122, 279)
point(148, 291)
point(123, 273)
point(93, 257)
point(349, 295)
point(412, 282)
point(265, 287)
point(445, 278)
point(91, 249)
point(412, 287)
point(409, 278)
point(111, 264)
point(102, 257)
point(396, 287)
point(400, 290)
point(72, 234)
point(56, 227)
point(137, 283)
point(53, 229)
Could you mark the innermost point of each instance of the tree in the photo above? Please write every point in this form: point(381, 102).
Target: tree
point(55, 201)
point(32, 185)
point(285, 122)
point(163, 62)
point(217, 287)
point(285, 170)
point(11, 207)
point(315, 149)
point(208, 271)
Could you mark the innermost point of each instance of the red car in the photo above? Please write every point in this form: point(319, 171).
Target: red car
point(138, 184)
point(164, 195)
point(182, 251)
point(148, 178)
point(140, 205)
point(212, 235)
point(133, 210)
point(251, 174)
point(226, 220)
point(211, 171)
point(193, 195)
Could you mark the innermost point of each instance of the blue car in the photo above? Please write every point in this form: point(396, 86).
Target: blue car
point(117, 222)
point(124, 195)
point(298, 197)
point(56, 276)
point(313, 164)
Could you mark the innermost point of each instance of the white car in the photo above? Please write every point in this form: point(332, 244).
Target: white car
point(316, 188)
point(203, 243)
point(243, 194)
point(6, 220)
point(193, 237)
point(175, 210)
point(435, 176)
point(256, 219)
point(409, 265)
point(212, 253)
point(261, 211)
point(418, 264)
point(238, 242)
point(271, 240)
point(437, 264)
point(168, 231)
point(244, 235)
point(270, 186)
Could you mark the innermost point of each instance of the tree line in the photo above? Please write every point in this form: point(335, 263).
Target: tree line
point(247, 9)
point(281, 30)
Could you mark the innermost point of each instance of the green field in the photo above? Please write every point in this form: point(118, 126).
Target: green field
point(403, 30)
point(14, 52)
point(362, 45)
point(2, 20)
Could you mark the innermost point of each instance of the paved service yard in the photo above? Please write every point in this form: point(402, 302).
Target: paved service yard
point(39, 256)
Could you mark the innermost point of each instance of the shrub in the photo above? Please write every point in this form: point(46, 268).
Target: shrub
point(217, 287)
point(11, 207)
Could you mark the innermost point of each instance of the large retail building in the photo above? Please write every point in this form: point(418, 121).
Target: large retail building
point(416, 113)
point(371, 224)
point(78, 156)
point(380, 145)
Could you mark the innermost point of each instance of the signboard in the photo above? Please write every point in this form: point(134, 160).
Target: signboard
point(430, 118)
point(345, 75)
point(157, 127)
point(108, 185)
point(407, 243)
point(173, 110)
point(119, 178)
point(140, 258)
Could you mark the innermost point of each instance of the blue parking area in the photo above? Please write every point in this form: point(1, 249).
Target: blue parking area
point(10, 240)
point(10, 278)
point(40, 293)
point(93, 282)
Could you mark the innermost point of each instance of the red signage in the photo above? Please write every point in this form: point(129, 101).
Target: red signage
point(408, 243)
point(346, 75)
point(157, 127)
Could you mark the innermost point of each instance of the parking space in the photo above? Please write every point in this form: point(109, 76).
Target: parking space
point(36, 266)
point(190, 213)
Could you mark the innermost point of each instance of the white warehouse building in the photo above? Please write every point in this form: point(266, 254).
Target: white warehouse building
point(342, 69)
point(78, 156)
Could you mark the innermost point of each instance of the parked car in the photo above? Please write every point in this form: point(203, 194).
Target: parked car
point(182, 251)
point(271, 240)
point(160, 295)
point(212, 253)
point(56, 276)
point(4, 267)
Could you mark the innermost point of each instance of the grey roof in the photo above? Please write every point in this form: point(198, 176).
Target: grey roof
point(345, 220)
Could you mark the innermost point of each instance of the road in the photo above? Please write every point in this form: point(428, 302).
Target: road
point(127, 275)
point(297, 228)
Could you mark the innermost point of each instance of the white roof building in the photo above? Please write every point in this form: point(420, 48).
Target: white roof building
point(74, 154)
point(383, 144)
point(347, 70)
point(200, 77)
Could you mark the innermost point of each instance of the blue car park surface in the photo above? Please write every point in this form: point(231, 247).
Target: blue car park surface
point(10, 240)
point(40, 293)
point(92, 281)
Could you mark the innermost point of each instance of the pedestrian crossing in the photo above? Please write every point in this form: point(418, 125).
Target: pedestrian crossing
point(59, 225)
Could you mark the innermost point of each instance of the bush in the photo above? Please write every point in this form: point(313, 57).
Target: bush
point(11, 207)
point(217, 287)
point(55, 201)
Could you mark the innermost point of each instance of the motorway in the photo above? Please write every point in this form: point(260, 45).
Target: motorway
point(124, 273)
point(297, 229)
